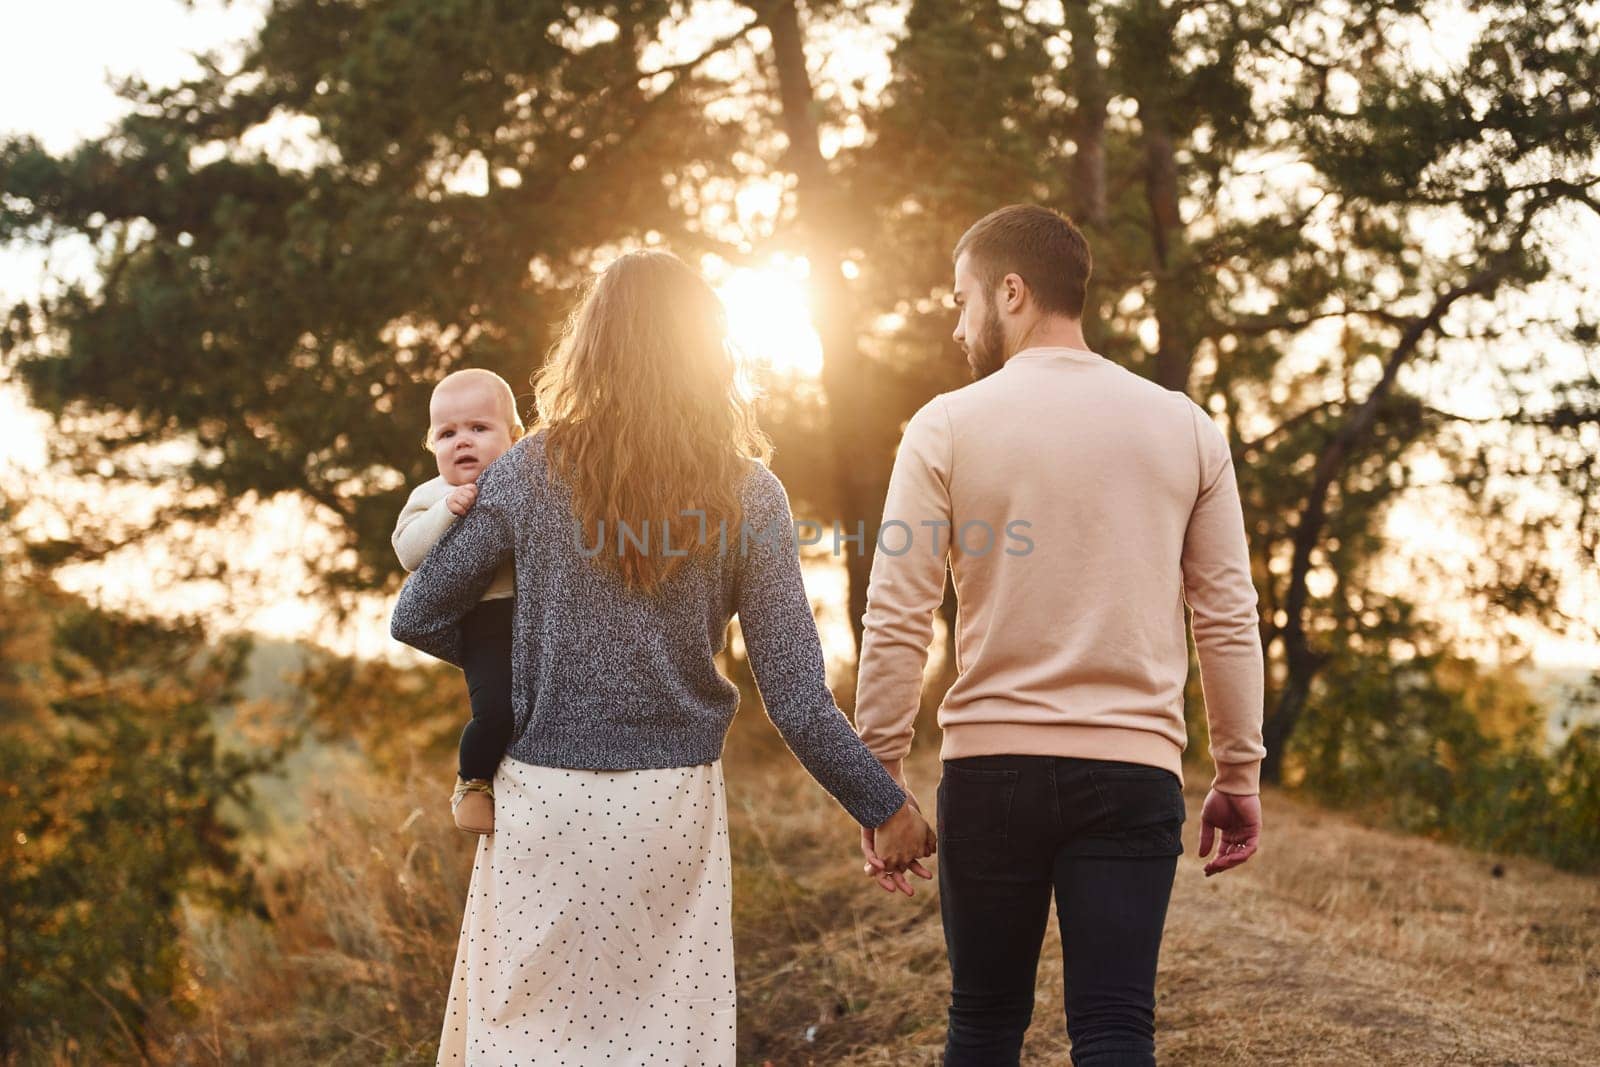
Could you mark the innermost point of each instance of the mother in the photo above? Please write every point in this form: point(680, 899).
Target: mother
point(597, 924)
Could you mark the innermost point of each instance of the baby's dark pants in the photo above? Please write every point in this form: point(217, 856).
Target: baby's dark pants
point(486, 661)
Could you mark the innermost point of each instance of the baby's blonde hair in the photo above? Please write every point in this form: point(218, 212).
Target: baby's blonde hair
point(489, 378)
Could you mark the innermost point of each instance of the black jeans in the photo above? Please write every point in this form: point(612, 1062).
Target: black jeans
point(1105, 837)
point(486, 661)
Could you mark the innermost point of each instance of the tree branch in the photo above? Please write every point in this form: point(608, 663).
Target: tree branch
point(1304, 660)
point(1262, 324)
point(721, 44)
point(1557, 419)
point(1247, 448)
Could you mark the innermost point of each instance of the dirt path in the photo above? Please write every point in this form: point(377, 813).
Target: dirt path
point(1338, 944)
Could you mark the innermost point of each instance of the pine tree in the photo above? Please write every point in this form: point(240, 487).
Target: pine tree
point(1267, 190)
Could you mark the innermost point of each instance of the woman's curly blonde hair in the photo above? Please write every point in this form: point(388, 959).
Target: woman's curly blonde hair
point(647, 415)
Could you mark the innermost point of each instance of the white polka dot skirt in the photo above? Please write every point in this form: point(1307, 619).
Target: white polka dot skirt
point(598, 926)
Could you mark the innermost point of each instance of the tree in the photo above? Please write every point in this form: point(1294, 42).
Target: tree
point(456, 192)
point(1300, 309)
point(823, 216)
point(282, 323)
point(1298, 218)
point(115, 807)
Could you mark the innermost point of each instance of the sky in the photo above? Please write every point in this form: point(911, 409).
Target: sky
point(63, 94)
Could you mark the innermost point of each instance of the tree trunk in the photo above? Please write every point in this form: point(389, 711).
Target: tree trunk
point(859, 479)
point(1150, 27)
point(1173, 288)
point(1303, 660)
point(1086, 79)
point(1303, 663)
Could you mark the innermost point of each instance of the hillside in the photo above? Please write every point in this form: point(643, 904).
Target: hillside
point(1337, 944)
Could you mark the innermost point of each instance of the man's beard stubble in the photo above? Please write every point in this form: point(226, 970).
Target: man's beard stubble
point(988, 352)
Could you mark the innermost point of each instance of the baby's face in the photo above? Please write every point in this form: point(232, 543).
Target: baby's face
point(470, 428)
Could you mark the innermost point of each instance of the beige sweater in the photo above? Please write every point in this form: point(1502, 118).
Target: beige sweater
point(424, 520)
point(1106, 502)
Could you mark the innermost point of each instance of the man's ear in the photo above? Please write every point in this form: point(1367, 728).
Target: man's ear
point(1014, 288)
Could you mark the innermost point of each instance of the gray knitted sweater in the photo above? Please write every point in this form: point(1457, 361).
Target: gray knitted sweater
point(604, 678)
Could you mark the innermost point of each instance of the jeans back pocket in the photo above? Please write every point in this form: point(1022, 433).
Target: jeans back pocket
point(1142, 811)
point(975, 804)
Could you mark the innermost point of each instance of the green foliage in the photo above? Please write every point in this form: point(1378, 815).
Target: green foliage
point(286, 322)
point(112, 809)
point(1441, 747)
point(401, 717)
point(1302, 218)
point(1300, 209)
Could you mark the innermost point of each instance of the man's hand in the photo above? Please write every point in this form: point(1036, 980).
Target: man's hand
point(890, 878)
point(1239, 819)
point(895, 847)
point(461, 498)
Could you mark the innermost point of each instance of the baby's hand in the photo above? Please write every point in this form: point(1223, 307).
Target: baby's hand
point(461, 498)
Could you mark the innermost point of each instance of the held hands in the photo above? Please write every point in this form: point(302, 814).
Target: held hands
point(1239, 819)
point(461, 498)
point(895, 848)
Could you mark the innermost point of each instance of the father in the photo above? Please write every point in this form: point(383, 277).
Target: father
point(1078, 507)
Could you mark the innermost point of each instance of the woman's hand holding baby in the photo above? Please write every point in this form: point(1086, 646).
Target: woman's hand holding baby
point(461, 498)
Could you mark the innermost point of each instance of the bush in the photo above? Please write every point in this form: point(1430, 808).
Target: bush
point(1439, 746)
point(112, 816)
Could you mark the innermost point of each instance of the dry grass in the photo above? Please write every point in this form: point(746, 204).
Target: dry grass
point(1338, 944)
point(353, 963)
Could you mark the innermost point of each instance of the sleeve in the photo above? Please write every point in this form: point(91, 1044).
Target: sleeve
point(451, 580)
point(905, 589)
point(419, 529)
point(1222, 597)
point(780, 636)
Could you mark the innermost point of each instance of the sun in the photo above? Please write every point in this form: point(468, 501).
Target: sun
point(769, 315)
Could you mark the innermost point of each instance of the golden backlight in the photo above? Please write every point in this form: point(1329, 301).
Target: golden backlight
point(769, 315)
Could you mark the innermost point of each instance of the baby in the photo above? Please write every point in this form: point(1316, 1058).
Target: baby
point(472, 419)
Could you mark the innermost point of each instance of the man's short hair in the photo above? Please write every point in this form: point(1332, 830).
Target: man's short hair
point(1041, 246)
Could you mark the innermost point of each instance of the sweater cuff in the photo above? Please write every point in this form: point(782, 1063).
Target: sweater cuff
point(875, 809)
point(1239, 779)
